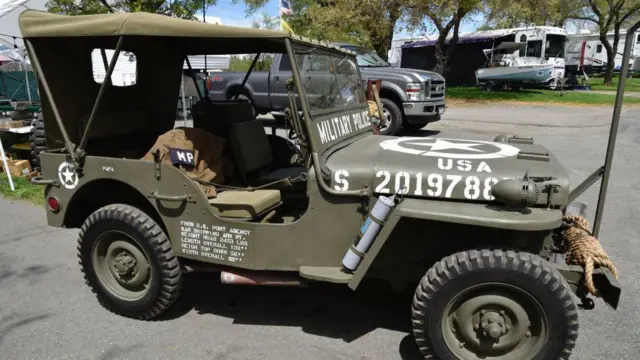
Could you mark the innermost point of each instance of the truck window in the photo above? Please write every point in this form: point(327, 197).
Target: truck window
point(285, 64)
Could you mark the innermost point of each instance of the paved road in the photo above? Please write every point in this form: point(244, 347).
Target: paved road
point(46, 311)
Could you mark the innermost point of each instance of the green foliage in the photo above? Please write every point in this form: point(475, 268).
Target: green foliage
point(609, 15)
point(267, 22)
point(243, 62)
point(370, 23)
point(478, 95)
point(181, 9)
point(509, 14)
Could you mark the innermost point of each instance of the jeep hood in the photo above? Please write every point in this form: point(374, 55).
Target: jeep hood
point(443, 168)
point(409, 75)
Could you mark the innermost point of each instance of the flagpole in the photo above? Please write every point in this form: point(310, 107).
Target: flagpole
point(280, 13)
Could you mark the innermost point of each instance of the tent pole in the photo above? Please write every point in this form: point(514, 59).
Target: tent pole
point(6, 166)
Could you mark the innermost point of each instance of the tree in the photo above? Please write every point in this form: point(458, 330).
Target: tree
point(185, 9)
point(266, 22)
point(370, 24)
point(607, 14)
point(510, 14)
point(446, 16)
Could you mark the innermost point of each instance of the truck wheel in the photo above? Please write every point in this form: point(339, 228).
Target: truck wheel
point(127, 261)
point(491, 304)
point(392, 117)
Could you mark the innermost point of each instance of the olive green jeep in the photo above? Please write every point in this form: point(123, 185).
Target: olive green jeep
point(475, 227)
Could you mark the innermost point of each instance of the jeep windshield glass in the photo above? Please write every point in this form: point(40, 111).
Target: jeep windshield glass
point(331, 82)
point(366, 57)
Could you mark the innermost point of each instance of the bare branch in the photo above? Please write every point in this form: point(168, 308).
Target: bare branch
point(106, 4)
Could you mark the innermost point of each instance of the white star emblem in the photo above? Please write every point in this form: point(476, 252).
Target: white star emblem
point(438, 148)
point(67, 176)
point(446, 145)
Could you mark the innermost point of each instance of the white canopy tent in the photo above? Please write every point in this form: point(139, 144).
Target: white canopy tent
point(10, 35)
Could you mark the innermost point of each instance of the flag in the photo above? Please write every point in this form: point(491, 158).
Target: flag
point(285, 8)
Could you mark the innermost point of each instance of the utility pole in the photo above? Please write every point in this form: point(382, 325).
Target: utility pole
point(204, 19)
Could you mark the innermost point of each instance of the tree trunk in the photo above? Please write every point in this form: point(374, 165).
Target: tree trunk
point(608, 75)
point(454, 39)
point(439, 52)
point(442, 58)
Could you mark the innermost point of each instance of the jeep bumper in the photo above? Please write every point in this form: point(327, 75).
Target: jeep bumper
point(422, 112)
point(603, 280)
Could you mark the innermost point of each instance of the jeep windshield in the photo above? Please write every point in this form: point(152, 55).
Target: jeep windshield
point(331, 81)
point(367, 57)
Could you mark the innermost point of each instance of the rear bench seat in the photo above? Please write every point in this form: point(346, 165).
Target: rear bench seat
point(244, 204)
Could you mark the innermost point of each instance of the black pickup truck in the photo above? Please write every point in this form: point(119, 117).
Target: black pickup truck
point(411, 98)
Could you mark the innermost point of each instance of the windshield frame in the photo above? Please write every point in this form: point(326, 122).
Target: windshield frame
point(298, 52)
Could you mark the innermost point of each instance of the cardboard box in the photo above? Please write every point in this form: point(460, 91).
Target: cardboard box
point(17, 167)
point(12, 124)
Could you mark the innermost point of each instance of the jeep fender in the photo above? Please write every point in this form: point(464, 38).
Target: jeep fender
point(481, 215)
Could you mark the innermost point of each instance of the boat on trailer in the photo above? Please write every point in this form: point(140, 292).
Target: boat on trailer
point(504, 68)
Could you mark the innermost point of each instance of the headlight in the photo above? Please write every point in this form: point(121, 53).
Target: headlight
point(413, 91)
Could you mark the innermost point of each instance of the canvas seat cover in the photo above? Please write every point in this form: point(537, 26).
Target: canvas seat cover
point(253, 154)
point(245, 204)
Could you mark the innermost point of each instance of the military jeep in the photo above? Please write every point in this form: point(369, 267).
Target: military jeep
point(475, 227)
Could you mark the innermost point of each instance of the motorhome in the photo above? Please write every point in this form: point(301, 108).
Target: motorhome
point(585, 53)
point(544, 45)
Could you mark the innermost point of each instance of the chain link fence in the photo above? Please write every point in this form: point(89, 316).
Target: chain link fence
point(17, 83)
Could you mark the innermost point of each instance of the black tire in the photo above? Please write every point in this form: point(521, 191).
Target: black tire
point(146, 237)
point(393, 115)
point(38, 141)
point(526, 274)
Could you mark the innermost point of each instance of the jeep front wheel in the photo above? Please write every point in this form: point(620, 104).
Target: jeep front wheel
point(128, 262)
point(491, 304)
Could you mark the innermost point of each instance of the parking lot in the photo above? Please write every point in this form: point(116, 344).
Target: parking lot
point(47, 312)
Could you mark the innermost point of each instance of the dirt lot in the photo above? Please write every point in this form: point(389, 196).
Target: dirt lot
point(47, 312)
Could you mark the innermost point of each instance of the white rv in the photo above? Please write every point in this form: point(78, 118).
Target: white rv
point(544, 45)
point(585, 52)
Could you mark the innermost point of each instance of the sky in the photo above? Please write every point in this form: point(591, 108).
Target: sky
point(234, 14)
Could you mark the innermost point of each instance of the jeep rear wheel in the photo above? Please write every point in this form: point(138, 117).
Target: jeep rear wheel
point(128, 262)
point(494, 305)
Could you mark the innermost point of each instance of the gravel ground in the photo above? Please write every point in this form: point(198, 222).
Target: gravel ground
point(47, 312)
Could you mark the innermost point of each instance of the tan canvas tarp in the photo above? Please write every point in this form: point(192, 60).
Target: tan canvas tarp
point(210, 166)
point(34, 24)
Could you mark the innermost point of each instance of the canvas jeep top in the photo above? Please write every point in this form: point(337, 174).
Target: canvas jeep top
point(475, 227)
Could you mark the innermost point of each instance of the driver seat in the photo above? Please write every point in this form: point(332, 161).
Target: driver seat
point(254, 158)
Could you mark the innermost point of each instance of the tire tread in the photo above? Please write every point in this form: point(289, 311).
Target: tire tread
point(170, 272)
point(459, 263)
